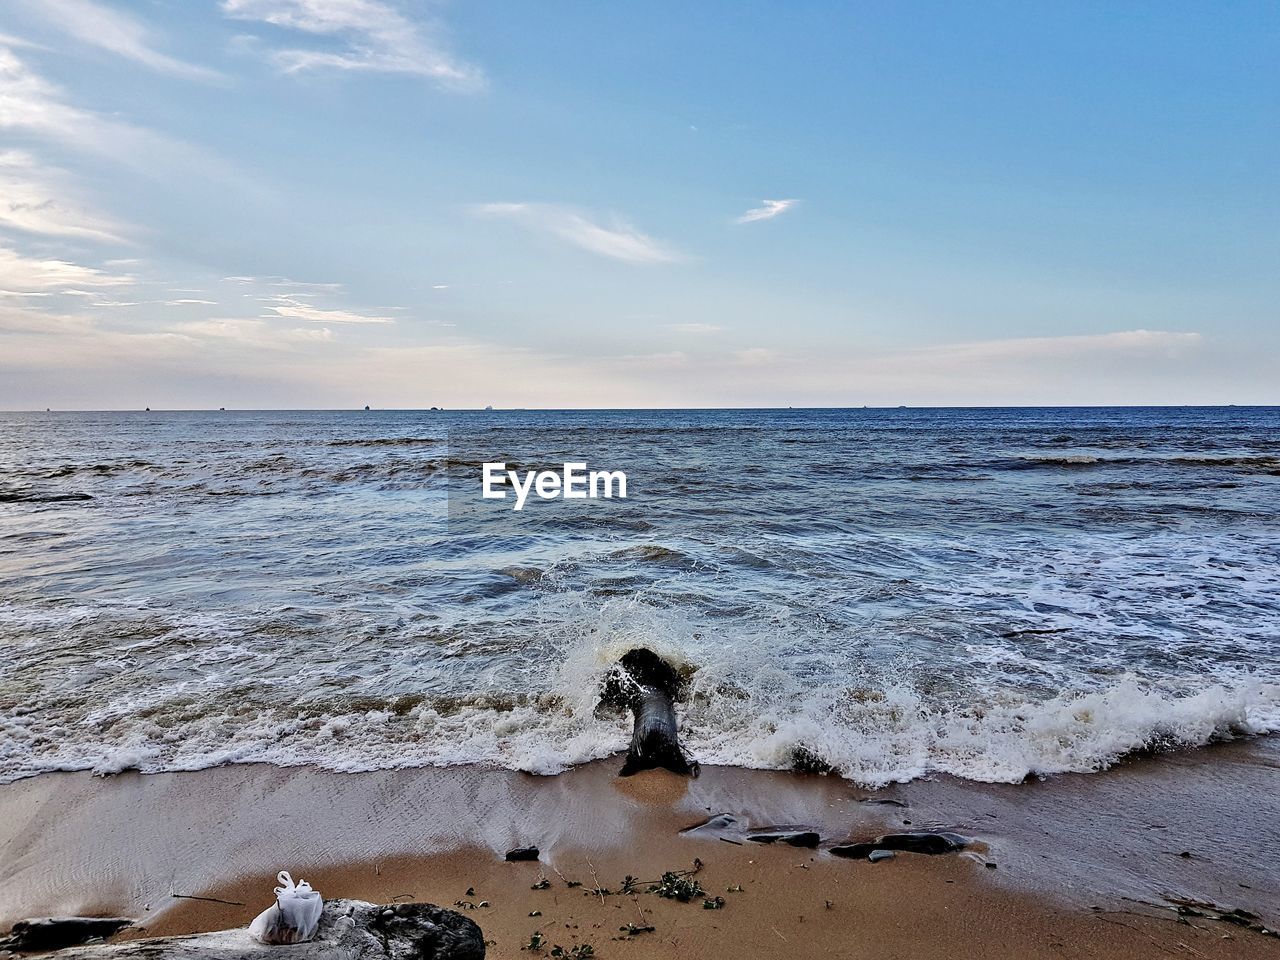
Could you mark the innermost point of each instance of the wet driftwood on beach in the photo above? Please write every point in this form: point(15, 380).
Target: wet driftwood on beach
point(348, 930)
point(921, 841)
point(647, 685)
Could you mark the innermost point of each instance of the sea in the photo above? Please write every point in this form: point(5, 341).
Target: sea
point(994, 594)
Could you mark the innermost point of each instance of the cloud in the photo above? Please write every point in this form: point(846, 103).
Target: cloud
point(1123, 342)
point(619, 240)
point(32, 105)
point(295, 309)
point(28, 102)
point(189, 301)
point(76, 360)
point(309, 289)
point(255, 333)
point(369, 35)
point(757, 357)
point(36, 198)
point(769, 210)
point(21, 274)
point(116, 32)
point(694, 328)
point(18, 43)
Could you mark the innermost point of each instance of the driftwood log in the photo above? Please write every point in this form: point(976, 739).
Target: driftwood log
point(647, 685)
point(348, 930)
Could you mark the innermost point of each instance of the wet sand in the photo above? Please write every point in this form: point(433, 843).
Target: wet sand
point(1075, 866)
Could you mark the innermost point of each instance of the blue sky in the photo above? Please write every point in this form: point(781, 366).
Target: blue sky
point(295, 203)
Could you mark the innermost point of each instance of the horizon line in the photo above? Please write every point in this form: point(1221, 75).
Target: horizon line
point(638, 409)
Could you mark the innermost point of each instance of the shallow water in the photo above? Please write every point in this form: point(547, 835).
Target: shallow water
point(989, 593)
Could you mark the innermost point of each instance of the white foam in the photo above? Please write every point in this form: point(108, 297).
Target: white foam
point(752, 702)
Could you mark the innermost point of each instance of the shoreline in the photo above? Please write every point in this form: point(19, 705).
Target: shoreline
point(1077, 859)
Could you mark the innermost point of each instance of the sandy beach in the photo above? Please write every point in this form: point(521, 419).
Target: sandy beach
point(1077, 865)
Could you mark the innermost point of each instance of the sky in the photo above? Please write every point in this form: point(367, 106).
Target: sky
point(410, 203)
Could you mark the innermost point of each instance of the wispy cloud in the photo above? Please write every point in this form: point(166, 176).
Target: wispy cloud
point(295, 309)
point(116, 32)
point(767, 211)
point(28, 102)
point(18, 43)
point(23, 274)
point(619, 240)
point(1119, 343)
point(298, 288)
point(366, 35)
point(254, 333)
point(757, 357)
point(32, 105)
point(37, 198)
point(694, 328)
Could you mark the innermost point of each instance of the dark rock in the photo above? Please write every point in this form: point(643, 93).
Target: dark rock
point(348, 930)
point(718, 823)
point(875, 856)
point(918, 842)
point(54, 933)
point(804, 760)
point(522, 853)
point(793, 838)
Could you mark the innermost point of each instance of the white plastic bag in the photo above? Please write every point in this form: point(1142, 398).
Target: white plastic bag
point(294, 916)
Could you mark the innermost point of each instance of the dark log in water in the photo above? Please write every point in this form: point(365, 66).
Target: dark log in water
point(647, 685)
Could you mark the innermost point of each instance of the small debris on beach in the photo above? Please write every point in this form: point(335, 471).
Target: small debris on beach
point(875, 856)
point(1235, 916)
point(677, 886)
point(632, 929)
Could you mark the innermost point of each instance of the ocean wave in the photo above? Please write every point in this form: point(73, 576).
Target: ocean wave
point(41, 496)
point(387, 442)
point(1259, 464)
point(750, 703)
point(873, 738)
